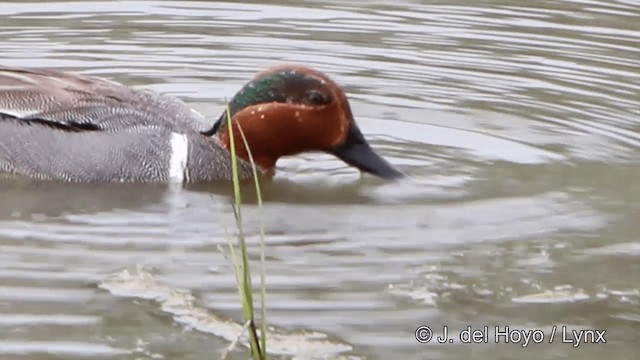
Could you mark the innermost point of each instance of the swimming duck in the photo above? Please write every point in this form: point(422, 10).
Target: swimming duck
point(56, 125)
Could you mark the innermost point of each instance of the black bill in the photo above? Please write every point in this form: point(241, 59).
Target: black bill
point(355, 151)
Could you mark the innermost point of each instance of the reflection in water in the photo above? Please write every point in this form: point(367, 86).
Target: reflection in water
point(518, 123)
point(24, 197)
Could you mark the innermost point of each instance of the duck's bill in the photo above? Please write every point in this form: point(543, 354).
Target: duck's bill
point(356, 152)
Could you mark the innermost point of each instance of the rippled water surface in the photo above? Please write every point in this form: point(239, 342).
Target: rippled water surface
point(517, 121)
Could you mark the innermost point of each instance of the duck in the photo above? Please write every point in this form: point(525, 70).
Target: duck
point(72, 127)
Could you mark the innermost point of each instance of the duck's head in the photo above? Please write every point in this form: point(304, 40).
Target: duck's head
point(290, 109)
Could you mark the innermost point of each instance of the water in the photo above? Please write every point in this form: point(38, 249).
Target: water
point(518, 123)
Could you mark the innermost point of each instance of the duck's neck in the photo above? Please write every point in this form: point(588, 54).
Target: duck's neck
point(266, 164)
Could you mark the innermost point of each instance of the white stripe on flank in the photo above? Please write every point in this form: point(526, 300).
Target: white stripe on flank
point(179, 155)
point(19, 113)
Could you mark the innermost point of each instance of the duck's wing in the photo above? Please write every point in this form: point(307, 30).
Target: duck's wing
point(81, 102)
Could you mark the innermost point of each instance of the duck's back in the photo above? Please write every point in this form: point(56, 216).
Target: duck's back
point(56, 125)
point(90, 102)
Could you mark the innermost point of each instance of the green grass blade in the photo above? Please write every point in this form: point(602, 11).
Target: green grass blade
point(242, 266)
point(263, 290)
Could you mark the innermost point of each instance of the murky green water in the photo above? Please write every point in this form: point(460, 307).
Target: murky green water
point(518, 122)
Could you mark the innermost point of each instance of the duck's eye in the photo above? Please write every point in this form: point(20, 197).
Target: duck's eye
point(315, 97)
